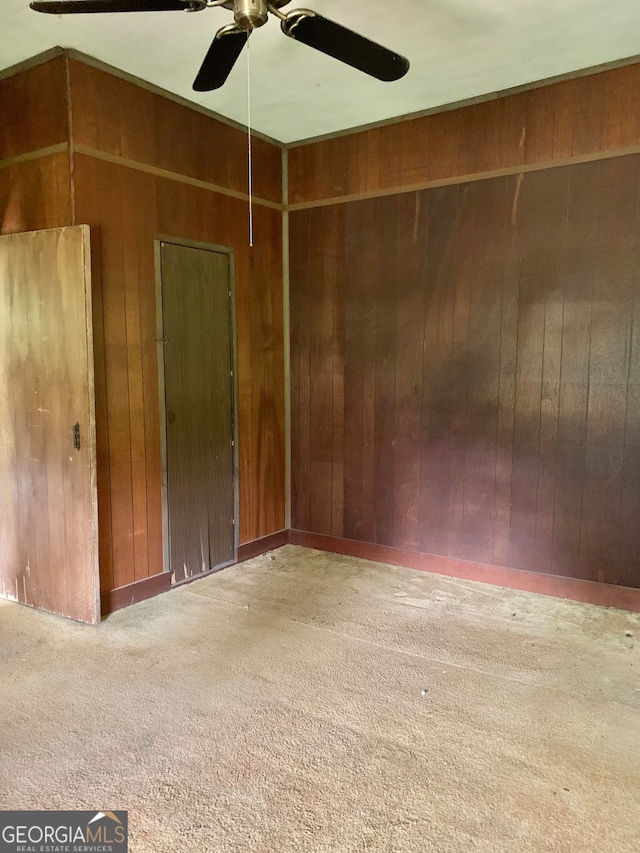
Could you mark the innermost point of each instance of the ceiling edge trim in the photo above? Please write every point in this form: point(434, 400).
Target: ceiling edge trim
point(32, 62)
point(467, 102)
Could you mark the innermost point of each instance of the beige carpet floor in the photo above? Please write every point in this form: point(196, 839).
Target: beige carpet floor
point(307, 702)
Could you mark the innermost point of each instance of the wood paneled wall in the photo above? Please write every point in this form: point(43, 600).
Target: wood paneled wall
point(113, 116)
point(135, 165)
point(119, 130)
point(465, 374)
point(35, 194)
point(33, 106)
point(571, 120)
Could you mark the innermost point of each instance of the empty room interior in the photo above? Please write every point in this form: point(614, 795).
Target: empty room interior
point(320, 425)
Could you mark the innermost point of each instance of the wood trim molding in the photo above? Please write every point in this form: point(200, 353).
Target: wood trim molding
point(60, 148)
point(72, 53)
point(248, 550)
point(32, 62)
point(467, 179)
point(172, 176)
point(575, 589)
point(124, 596)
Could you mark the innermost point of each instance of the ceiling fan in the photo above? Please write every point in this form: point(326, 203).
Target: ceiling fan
point(303, 25)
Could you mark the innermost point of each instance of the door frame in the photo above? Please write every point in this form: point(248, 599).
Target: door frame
point(220, 250)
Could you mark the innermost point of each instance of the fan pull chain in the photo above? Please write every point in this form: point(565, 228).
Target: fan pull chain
point(250, 162)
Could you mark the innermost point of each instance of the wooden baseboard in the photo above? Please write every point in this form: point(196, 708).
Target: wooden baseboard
point(260, 546)
point(124, 596)
point(575, 589)
point(116, 599)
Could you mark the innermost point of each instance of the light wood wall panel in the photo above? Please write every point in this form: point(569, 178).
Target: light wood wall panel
point(575, 118)
point(33, 106)
point(48, 546)
point(465, 370)
point(35, 194)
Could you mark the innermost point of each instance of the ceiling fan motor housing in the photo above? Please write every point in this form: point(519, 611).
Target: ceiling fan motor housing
point(250, 14)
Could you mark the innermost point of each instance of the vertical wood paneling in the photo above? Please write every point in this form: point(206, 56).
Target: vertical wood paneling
point(323, 283)
point(490, 367)
point(630, 499)
point(577, 117)
point(88, 195)
point(603, 545)
point(298, 326)
point(127, 210)
point(385, 368)
point(533, 237)
point(357, 235)
point(410, 268)
point(437, 319)
point(582, 218)
point(485, 248)
point(33, 106)
point(555, 254)
point(621, 120)
point(35, 195)
point(338, 383)
point(505, 420)
point(118, 117)
point(461, 283)
point(368, 273)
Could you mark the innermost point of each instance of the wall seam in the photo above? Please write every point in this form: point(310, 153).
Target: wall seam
point(72, 163)
point(286, 328)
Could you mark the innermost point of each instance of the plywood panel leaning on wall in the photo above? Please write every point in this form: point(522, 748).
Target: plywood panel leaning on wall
point(48, 498)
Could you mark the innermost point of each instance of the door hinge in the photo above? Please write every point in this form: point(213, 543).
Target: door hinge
point(233, 444)
point(76, 436)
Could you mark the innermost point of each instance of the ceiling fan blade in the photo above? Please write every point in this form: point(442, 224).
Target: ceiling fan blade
point(81, 7)
point(221, 57)
point(351, 48)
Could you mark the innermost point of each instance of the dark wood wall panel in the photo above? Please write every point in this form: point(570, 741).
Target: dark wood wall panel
point(117, 117)
point(33, 106)
point(574, 118)
point(474, 351)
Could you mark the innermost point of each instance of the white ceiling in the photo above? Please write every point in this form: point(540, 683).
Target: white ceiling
point(458, 49)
